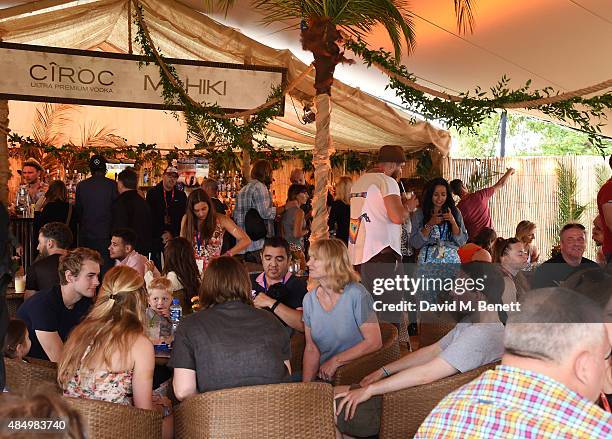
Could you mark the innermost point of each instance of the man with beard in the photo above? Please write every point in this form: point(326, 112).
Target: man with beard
point(31, 171)
point(570, 259)
point(377, 212)
point(377, 215)
point(54, 239)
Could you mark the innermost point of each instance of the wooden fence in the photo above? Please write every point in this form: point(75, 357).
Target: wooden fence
point(530, 193)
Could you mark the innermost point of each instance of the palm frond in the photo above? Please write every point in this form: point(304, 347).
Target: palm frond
point(567, 193)
point(356, 17)
point(602, 174)
point(94, 135)
point(51, 121)
point(465, 16)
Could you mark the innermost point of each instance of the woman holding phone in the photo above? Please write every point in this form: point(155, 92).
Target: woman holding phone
point(438, 229)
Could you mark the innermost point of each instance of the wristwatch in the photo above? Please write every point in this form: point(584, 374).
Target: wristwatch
point(273, 307)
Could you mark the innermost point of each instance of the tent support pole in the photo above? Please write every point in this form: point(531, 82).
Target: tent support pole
point(129, 24)
point(502, 135)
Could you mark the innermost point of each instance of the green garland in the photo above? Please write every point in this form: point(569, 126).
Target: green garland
point(472, 109)
point(204, 123)
point(223, 158)
point(27, 146)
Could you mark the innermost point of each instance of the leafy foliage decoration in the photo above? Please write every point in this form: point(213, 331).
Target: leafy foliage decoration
point(474, 107)
point(204, 122)
point(567, 196)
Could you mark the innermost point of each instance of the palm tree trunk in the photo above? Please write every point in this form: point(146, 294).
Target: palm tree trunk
point(320, 160)
point(4, 158)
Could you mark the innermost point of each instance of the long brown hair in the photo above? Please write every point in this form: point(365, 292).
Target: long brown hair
point(16, 334)
point(113, 324)
point(178, 257)
point(225, 279)
point(57, 192)
point(207, 227)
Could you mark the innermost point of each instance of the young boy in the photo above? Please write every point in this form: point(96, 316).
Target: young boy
point(159, 327)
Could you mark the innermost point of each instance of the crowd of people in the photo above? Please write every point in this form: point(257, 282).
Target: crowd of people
point(98, 309)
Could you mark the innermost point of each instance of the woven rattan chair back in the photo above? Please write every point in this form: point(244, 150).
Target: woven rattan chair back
point(107, 420)
point(404, 411)
point(434, 328)
point(356, 370)
point(26, 379)
point(275, 411)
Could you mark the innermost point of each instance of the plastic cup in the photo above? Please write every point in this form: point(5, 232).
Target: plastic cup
point(20, 282)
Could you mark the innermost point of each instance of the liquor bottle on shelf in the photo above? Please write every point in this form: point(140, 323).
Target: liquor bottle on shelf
point(22, 202)
point(71, 185)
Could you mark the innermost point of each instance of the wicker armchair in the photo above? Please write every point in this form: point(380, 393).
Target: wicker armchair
point(433, 330)
point(404, 411)
point(44, 363)
point(107, 420)
point(298, 410)
point(13, 302)
point(28, 378)
point(356, 370)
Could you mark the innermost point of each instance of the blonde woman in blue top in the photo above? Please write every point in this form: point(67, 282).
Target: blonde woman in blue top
point(339, 320)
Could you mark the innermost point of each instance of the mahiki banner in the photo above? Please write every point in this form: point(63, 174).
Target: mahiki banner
point(51, 74)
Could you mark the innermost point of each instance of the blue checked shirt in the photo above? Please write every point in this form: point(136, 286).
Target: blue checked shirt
point(255, 195)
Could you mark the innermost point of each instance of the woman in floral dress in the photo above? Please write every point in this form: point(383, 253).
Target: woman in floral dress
point(204, 228)
point(107, 356)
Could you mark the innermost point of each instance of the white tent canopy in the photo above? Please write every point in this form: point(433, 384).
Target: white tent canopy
point(359, 120)
point(564, 44)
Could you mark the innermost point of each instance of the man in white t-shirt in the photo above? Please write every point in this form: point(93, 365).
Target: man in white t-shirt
point(377, 212)
point(377, 215)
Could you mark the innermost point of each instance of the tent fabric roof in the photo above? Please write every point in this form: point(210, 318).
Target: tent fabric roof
point(359, 120)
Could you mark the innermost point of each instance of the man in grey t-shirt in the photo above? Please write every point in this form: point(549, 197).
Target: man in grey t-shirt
point(475, 341)
point(470, 345)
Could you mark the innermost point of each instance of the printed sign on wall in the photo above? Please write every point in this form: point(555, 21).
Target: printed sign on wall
point(50, 74)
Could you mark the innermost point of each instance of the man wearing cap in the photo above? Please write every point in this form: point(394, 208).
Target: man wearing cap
point(377, 212)
point(168, 205)
point(94, 199)
point(31, 171)
point(377, 215)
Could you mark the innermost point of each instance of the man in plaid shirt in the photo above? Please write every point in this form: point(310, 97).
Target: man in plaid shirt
point(557, 362)
point(256, 195)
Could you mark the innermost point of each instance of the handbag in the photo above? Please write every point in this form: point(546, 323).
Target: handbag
point(254, 225)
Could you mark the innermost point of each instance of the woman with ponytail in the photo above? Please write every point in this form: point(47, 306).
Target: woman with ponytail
point(107, 356)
